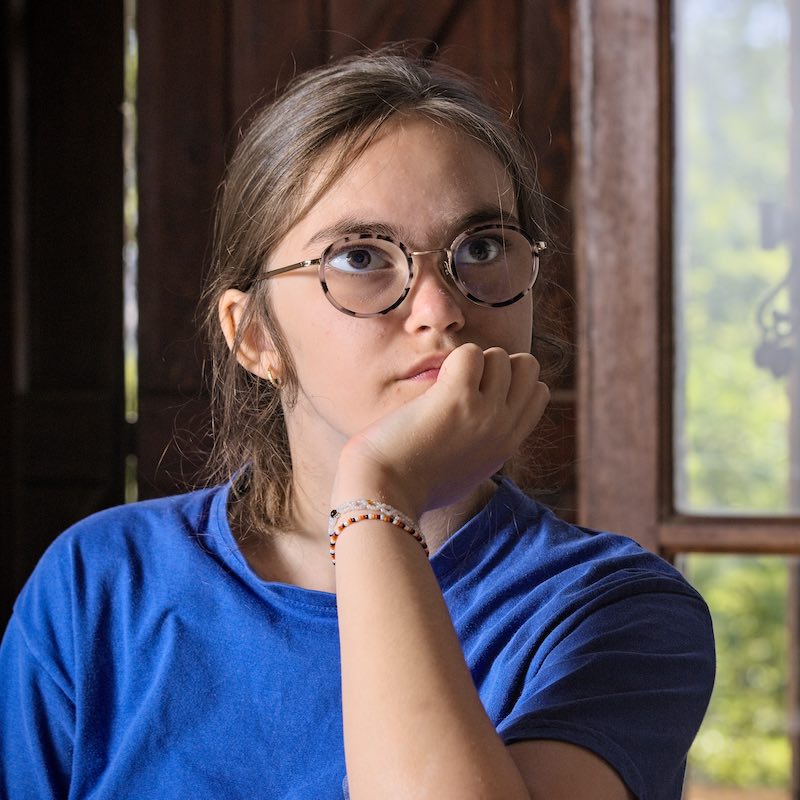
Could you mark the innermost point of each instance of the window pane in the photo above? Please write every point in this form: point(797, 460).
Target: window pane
point(742, 751)
point(736, 356)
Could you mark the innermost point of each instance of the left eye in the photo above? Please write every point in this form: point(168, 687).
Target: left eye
point(479, 251)
point(359, 259)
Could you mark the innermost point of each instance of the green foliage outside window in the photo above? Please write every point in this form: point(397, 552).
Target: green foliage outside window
point(732, 154)
point(743, 739)
point(733, 417)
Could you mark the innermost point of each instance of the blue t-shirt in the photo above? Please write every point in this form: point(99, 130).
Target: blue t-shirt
point(146, 660)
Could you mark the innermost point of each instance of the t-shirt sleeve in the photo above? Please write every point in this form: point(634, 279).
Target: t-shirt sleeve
point(36, 723)
point(37, 690)
point(630, 680)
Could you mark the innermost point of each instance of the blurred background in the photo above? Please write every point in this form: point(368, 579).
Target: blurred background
point(667, 134)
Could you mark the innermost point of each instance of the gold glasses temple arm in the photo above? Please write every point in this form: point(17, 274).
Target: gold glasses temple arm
point(280, 270)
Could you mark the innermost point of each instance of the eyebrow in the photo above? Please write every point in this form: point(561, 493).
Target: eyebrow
point(349, 225)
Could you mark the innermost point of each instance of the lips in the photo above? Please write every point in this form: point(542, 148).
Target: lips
point(427, 369)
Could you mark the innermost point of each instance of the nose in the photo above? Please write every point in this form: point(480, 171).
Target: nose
point(434, 301)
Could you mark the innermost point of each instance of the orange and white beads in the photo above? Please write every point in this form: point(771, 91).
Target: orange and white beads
point(356, 511)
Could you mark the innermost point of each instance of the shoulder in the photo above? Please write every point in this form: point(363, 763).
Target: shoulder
point(516, 535)
point(552, 592)
point(598, 569)
point(115, 559)
point(136, 527)
point(190, 510)
point(596, 635)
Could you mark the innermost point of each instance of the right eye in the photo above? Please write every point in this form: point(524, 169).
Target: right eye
point(364, 258)
point(484, 249)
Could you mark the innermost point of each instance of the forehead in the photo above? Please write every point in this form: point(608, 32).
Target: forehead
point(417, 177)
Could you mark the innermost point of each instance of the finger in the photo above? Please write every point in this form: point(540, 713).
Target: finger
point(528, 396)
point(534, 411)
point(496, 372)
point(524, 376)
point(463, 366)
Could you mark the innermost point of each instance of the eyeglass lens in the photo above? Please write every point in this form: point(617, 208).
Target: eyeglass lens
point(368, 275)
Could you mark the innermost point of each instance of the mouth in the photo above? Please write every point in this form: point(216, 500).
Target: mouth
point(426, 370)
point(425, 375)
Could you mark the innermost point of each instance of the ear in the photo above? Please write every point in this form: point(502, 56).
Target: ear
point(255, 352)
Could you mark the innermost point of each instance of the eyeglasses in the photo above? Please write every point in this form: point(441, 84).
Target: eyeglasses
point(368, 274)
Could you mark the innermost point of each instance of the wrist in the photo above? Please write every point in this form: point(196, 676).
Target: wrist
point(358, 475)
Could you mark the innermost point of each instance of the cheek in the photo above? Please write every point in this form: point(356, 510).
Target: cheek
point(523, 322)
point(303, 315)
point(509, 328)
point(329, 349)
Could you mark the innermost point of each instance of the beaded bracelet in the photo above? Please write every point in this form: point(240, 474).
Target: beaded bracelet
point(359, 510)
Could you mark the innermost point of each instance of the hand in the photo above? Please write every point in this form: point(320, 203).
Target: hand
point(440, 446)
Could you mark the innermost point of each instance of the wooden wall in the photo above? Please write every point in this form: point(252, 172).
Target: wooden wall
point(203, 67)
point(61, 412)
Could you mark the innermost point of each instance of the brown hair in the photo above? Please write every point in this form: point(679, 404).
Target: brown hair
point(339, 106)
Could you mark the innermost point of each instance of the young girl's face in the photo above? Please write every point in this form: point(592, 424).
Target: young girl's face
point(423, 184)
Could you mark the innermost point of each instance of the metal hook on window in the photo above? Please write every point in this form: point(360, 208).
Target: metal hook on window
point(775, 351)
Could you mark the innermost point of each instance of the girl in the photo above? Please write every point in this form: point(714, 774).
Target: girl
point(363, 607)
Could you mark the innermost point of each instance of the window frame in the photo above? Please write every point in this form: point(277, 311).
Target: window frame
point(623, 137)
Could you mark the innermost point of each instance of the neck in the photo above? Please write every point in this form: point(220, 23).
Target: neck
point(299, 556)
point(312, 483)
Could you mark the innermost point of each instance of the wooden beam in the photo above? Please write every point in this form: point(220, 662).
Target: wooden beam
point(616, 127)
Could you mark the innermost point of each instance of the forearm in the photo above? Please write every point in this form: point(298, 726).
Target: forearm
point(414, 725)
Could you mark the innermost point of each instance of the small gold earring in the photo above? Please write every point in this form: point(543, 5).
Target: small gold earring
point(273, 379)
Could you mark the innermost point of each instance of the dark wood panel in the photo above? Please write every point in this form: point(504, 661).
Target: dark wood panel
point(68, 465)
point(553, 456)
point(261, 62)
point(546, 93)
point(73, 220)
point(9, 37)
point(356, 25)
point(182, 93)
point(67, 435)
point(62, 288)
point(183, 109)
point(481, 37)
point(171, 443)
point(546, 118)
